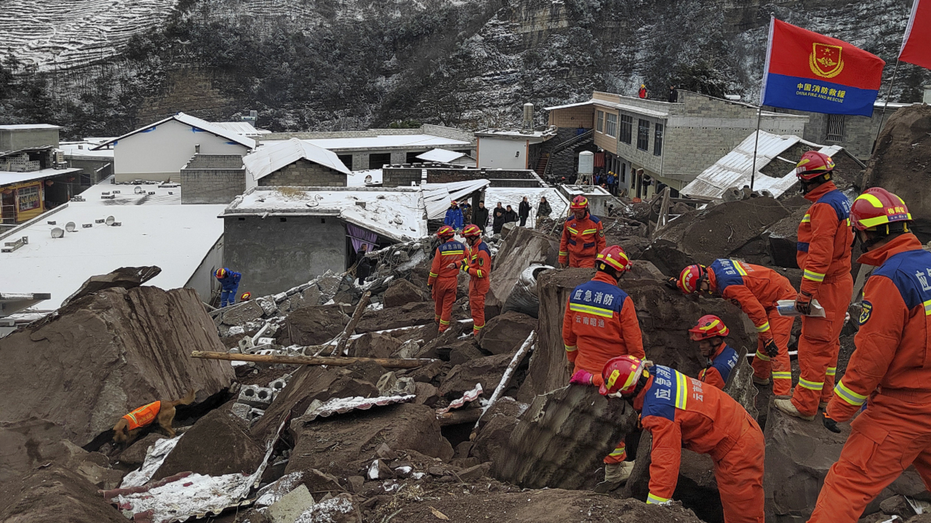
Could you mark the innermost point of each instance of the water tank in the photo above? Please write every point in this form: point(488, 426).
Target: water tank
point(528, 117)
point(586, 162)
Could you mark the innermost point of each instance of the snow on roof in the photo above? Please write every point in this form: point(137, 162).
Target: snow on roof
point(632, 108)
point(569, 106)
point(10, 177)
point(733, 170)
point(513, 195)
point(75, 149)
point(243, 128)
point(24, 126)
point(440, 155)
point(438, 196)
point(193, 121)
point(532, 136)
point(385, 142)
point(357, 178)
point(155, 230)
point(270, 158)
point(396, 213)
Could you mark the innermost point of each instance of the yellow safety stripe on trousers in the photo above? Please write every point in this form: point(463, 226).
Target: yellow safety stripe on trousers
point(782, 375)
point(573, 231)
point(433, 274)
point(572, 348)
point(806, 218)
point(449, 253)
point(831, 371)
point(563, 253)
point(589, 231)
point(762, 356)
point(848, 395)
point(653, 499)
point(682, 393)
point(478, 327)
point(444, 322)
point(810, 385)
point(927, 305)
point(814, 276)
point(762, 328)
point(597, 311)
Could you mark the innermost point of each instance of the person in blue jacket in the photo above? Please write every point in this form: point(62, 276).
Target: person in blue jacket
point(454, 216)
point(230, 282)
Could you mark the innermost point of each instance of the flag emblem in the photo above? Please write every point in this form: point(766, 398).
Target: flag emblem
point(825, 60)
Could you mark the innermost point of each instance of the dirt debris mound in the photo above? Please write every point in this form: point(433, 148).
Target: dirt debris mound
point(106, 354)
point(56, 494)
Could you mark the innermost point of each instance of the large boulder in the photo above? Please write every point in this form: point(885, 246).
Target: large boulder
point(504, 334)
point(400, 292)
point(314, 325)
point(901, 163)
point(665, 315)
point(344, 445)
point(522, 248)
point(463, 377)
point(495, 428)
point(106, 354)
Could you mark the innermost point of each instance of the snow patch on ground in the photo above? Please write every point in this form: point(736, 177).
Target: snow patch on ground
point(326, 511)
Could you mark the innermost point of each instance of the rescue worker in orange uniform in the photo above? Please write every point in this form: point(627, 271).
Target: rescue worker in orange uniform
point(824, 242)
point(720, 359)
point(582, 236)
point(890, 369)
point(443, 274)
point(755, 289)
point(601, 323)
point(478, 265)
point(682, 412)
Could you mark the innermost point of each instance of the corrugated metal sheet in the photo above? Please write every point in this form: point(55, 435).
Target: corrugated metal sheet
point(440, 155)
point(733, 170)
point(268, 159)
point(437, 196)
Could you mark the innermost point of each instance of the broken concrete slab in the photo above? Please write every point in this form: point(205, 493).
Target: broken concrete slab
point(521, 249)
point(401, 292)
point(123, 278)
point(108, 353)
point(291, 505)
point(463, 377)
point(505, 333)
point(582, 424)
point(239, 314)
point(374, 345)
point(219, 443)
point(313, 325)
point(344, 445)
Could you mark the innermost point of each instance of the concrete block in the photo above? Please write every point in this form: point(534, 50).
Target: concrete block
point(255, 396)
point(269, 308)
point(291, 505)
point(242, 410)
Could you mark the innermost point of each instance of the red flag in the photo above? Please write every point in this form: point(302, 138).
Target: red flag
point(916, 46)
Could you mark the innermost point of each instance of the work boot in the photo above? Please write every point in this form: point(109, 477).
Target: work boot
point(615, 476)
point(787, 407)
point(760, 381)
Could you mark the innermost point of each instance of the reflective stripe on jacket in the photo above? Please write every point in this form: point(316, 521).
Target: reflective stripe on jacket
point(824, 237)
point(754, 287)
point(449, 252)
point(143, 415)
point(581, 238)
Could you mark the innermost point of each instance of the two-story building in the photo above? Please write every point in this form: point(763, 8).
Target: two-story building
point(651, 144)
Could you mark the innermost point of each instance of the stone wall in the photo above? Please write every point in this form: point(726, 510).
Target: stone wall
point(303, 173)
point(212, 179)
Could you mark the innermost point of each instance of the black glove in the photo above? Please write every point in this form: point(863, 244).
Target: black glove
point(672, 283)
point(771, 349)
point(829, 423)
point(803, 303)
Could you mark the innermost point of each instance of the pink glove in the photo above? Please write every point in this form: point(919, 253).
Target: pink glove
point(582, 377)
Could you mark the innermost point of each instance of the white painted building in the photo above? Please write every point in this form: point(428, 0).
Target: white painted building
point(501, 149)
point(159, 151)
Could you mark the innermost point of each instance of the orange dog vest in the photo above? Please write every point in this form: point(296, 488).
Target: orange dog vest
point(143, 415)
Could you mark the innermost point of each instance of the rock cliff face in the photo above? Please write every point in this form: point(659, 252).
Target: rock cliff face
point(106, 354)
point(352, 64)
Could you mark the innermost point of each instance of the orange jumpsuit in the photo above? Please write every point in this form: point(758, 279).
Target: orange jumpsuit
point(479, 269)
point(891, 369)
point(600, 324)
point(755, 289)
point(443, 279)
point(682, 412)
point(143, 415)
point(581, 242)
point(824, 242)
point(719, 368)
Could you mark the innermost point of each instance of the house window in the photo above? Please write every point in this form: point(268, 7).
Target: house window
point(643, 135)
point(627, 123)
point(28, 198)
point(658, 140)
point(835, 127)
point(611, 125)
point(601, 120)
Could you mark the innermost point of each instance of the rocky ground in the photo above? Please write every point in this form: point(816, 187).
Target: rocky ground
point(474, 429)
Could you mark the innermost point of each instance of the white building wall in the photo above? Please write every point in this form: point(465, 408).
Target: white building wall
point(160, 153)
point(496, 153)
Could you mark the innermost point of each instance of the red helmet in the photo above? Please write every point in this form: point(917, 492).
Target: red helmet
point(614, 256)
point(579, 202)
point(472, 231)
point(621, 375)
point(813, 164)
point(709, 326)
point(221, 273)
point(454, 202)
point(446, 232)
point(246, 296)
point(690, 278)
point(875, 207)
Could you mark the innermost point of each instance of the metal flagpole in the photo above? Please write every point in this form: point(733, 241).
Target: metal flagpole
point(882, 115)
point(756, 143)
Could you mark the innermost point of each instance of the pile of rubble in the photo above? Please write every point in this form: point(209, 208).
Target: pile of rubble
point(343, 403)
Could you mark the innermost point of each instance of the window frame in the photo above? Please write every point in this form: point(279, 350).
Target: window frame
point(626, 129)
point(611, 127)
point(599, 121)
point(643, 134)
point(658, 133)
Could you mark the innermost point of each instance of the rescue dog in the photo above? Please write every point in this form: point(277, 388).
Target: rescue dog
point(162, 412)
